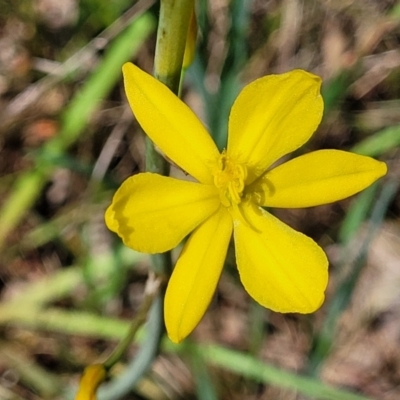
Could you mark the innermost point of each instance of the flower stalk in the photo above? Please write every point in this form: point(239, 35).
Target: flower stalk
point(174, 22)
point(173, 27)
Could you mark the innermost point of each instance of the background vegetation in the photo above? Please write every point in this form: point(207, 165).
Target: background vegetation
point(68, 288)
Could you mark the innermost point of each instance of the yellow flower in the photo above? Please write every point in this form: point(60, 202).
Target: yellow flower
point(280, 268)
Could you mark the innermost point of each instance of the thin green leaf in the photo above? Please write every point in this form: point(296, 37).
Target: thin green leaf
point(381, 142)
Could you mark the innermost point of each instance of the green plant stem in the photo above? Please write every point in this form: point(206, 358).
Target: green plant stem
point(137, 322)
point(139, 364)
point(171, 40)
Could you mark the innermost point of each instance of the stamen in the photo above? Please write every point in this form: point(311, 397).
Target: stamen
point(230, 178)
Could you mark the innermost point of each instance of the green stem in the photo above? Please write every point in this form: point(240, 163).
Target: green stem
point(136, 323)
point(171, 40)
point(144, 357)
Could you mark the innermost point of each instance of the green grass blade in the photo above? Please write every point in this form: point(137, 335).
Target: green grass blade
point(357, 214)
point(381, 142)
point(249, 367)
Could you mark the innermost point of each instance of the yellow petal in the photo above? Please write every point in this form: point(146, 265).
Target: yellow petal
point(153, 213)
point(273, 116)
point(317, 178)
point(92, 377)
point(170, 123)
point(196, 275)
point(280, 268)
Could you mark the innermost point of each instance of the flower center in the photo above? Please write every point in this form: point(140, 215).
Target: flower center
point(229, 178)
